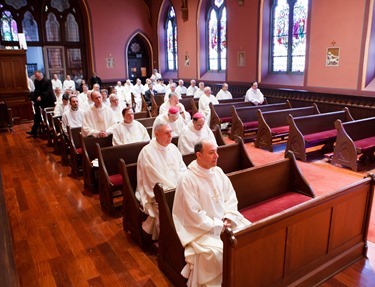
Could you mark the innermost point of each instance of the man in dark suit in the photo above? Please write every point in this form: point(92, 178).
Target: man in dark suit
point(148, 94)
point(43, 97)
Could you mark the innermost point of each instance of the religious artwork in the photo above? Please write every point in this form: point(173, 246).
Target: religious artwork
point(241, 59)
point(187, 60)
point(171, 40)
point(333, 56)
point(110, 62)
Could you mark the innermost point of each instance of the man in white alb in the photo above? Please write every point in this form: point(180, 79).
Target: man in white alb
point(98, 120)
point(192, 88)
point(224, 94)
point(127, 91)
point(56, 83)
point(137, 92)
point(73, 116)
point(195, 131)
point(199, 92)
point(254, 95)
point(159, 161)
point(155, 75)
point(204, 103)
point(116, 107)
point(129, 130)
point(204, 204)
point(174, 102)
point(172, 89)
point(63, 106)
point(181, 89)
point(173, 118)
point(83, 98)
point(69, 84)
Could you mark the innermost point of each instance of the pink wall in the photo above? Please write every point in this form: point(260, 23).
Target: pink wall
point(113, 23)
point(344, 26)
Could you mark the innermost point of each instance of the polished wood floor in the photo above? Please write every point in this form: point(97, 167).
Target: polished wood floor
point(61, 236)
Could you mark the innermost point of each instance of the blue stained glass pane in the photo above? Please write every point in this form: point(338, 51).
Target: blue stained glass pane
point(218, 3)
point(52, 28)
point(30, 27)
point(71, 29)
point(299, 35)
point(213, 41)
point(172, 13)
point(170, 45)
point(171, 40)
point(9, 31)
point(223, 38)
point(280, 38)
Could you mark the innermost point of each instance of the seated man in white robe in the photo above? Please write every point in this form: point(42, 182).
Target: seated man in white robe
point(181, 89)
point(137, 92)
point(105, 100)
point(98, 120)
point(63, 106)
point(174, 102)
point(204, 204)
point(224, 94)
point(128, 89)
point(204, 104)
point(172, 89)
point(173, 118)
point(129, 130)
point(83, 98)
point(116, 107)
point(192, 88)
point(254, 95)
point(159, 161)
point(160, 87)
point(199, 92)
point(72, 117)
point(195, 131)
point(69, 84)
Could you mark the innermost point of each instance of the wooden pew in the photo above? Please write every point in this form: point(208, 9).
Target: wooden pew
point(189, 105)
point(147, 122)
point(222, 112)
point(156, 102)
point(56, 134)
point(280, 181)
point(232, 157)
point(314, 130)
point(244, 119)
point(354, 138)
point(75, 148)
point(274, 124)
point(218, 135)
point(64, 143)
point(132, 213)
point(110, 180)
point(142, 115)
point(89, 153)
point(301, 246)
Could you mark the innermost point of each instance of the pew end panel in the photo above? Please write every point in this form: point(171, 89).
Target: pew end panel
point(218, 135)
point(304, 245)
point(353, 139)
point(75, 148)
point(171, 259)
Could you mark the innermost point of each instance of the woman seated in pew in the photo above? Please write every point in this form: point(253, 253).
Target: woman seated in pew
point(254, 95)
point(205, 203)
point(129, 130)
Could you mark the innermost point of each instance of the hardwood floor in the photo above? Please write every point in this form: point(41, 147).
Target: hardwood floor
point(61, 237)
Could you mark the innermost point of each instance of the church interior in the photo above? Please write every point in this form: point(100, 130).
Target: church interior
point(55, 230)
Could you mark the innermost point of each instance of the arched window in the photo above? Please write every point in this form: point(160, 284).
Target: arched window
point(52, 28)
point(171, 40)
point(288, 37)
point(217, 35)
point(30, 27)
point(71, 29)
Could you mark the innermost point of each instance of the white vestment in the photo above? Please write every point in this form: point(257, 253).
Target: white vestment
point(124, 133)
point(69, 85)
point(204, 106)
point(198, 93)
point(203, 198)
point(83, 101)
point(156, 164)
point(56, 84)
point(189, 136)
point(137, 92)
point(191, 90)
point(176, 126)
point(223, 95)
point(117, 113)
point(255, 96)
point(164, 108)
point(181, 90)
point(166, 96)
point(96, 120)
point(72, 118)
point(60, 109)
point(127, 93)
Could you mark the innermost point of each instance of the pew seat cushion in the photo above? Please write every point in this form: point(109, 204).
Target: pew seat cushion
point(273, 205)
point(365, 144)
point(321, 136)
point(79, 150)
point(251, 125)
point(115, 179)
point(226, 119)
point(280, 130)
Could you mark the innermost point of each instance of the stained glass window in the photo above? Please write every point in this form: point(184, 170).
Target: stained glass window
point(171, 40)
point(9, 31)
point(289, 35)
point(16, 4)
point(71, 29)
point(30, 27)
point(60, 5)
point(52, 28)
point(217, 35)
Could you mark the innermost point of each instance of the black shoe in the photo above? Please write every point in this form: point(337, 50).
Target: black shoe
point(31, 133)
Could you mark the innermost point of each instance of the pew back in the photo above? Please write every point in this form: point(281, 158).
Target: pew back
point(147, 122)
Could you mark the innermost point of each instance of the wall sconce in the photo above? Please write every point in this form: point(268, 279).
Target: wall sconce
point(240, 2)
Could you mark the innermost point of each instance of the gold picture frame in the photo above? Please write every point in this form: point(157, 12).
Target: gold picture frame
point(241, 59)
point(333, 57)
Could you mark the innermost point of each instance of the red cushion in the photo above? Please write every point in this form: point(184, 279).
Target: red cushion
point(79, 150)
point(321, 136)
point(226, 119)
point(250, 125)
point(280, 130)
point(365, 144)
point(273, 205)
point(115, 179)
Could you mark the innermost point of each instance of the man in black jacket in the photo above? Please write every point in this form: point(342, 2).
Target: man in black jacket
point(43, 97)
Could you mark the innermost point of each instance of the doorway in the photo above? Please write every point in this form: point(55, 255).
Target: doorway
point(139, 59)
